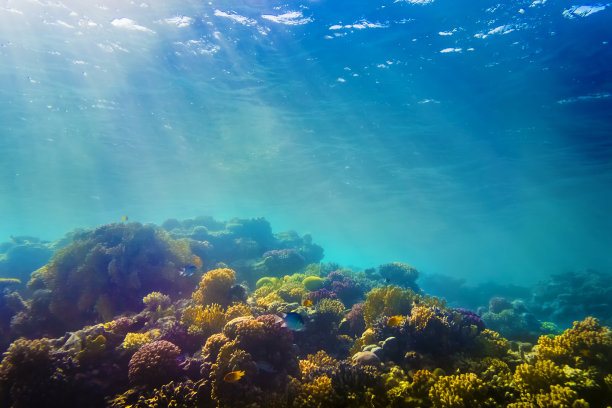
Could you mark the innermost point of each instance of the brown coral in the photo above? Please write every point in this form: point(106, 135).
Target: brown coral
point(154, 364)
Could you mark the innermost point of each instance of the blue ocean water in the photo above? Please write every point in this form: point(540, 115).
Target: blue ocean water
point(467, 138)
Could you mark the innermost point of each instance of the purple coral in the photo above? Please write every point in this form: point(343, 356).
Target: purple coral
point(355, 318)
point(469, 318)
point(154, 364)
point(321, 294)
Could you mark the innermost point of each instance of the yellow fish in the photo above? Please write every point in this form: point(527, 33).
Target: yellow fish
point(394, 320)
point(197, 261)
point(307, 303)
point(124, 218)
point(233, 376)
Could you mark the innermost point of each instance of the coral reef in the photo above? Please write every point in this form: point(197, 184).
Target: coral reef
point(166, 325)
point(400, 274)
point(109, 270)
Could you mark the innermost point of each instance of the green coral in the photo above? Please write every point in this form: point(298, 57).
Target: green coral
point(93, 348)
point(267, 281)
point(312, 283)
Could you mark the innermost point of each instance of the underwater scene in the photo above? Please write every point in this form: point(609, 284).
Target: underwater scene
point(305, 204)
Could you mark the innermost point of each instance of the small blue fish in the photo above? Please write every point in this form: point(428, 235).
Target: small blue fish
point(294, 321)
point(188, 270)
point(265, 367)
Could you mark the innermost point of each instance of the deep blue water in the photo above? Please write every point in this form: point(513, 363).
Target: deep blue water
point(469, 138)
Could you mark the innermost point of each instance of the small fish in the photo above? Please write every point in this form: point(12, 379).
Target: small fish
point(307, 303)
point(394, 320)
point(233, 376)
point(124, 218)
point(265, 367)
point(188, 270)
point(293, 321)
point(197, 261)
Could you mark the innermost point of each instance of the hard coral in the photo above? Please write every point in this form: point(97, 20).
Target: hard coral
point(215, 287)
point(154, 364)
point(586, 343)
point(203, 321)
point(458, 391)
point(400, 274)
point(387, 301)
point(110, 269)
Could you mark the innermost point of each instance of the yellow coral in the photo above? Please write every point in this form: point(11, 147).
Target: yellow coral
point(560, 397)
point(458, 391)
point(491, 344)
point(133, 341)
point(537, 378)
point(586, 342)
point(422, 317)
point(332, 308)
point(317, 393)
point(367, 337)
point(237, 310)
point(387, 301)
point(314, 363)
point(408, 394)
point(203, 321)
point(156, 299)
point(215, 287)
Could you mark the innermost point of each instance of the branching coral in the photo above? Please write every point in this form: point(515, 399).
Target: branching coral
point(155, 300)
point(586, 343)
point(458, 391)
point(387, 301)
point(133, 341)
point(176, 395)
point(317, 393)
point(203, 321)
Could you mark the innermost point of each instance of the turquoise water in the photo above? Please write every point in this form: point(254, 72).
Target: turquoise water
point(468, 138)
